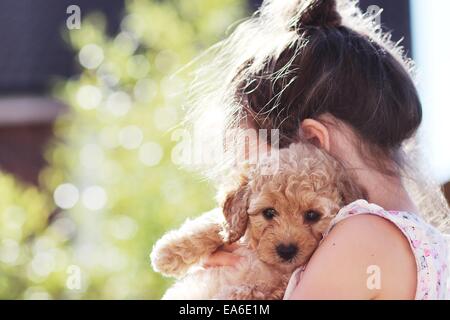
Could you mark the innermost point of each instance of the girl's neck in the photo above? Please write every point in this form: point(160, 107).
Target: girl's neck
point(385, 190)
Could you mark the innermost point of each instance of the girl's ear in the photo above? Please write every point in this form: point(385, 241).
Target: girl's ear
point(235, 211)
point(316, 133)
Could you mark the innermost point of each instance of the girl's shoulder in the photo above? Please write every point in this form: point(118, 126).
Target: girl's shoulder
point(364, 257)
point(428, 245)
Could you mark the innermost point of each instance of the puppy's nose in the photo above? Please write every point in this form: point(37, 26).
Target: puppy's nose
point(287, 251)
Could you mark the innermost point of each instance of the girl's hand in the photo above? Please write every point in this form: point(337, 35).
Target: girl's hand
point(224, 256)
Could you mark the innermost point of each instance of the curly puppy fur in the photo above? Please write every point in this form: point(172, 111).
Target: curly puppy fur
point(304, 180)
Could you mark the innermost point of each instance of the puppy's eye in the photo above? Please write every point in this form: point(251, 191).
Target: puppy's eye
point(269, 213)
point(311, 216)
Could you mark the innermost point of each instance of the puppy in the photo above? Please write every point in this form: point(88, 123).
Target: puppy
point(278, 219)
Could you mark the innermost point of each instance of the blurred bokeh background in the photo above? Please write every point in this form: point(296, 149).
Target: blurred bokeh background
point(86, 179)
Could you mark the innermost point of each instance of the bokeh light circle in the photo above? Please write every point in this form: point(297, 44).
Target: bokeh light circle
point(94, 198)
point(150, 154)
point(66, 196)
point(91, 56)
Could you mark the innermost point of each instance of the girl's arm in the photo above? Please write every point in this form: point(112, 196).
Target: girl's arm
point(363, 257)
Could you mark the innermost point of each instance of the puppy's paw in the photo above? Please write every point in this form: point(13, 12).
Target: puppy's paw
point(170, 260)
point(176, 252)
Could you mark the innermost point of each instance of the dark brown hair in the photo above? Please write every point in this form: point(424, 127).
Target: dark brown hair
point(332, 69)
point(298, 59)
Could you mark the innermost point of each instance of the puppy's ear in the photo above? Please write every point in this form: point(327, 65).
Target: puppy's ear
point(235, 211)
point(349, 190)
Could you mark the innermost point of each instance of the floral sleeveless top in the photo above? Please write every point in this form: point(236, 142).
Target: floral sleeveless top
point(429, 246)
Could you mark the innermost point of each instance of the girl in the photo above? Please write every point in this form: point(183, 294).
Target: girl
point(322, 70)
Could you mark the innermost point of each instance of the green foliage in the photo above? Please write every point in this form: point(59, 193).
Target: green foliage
point(110, 164)
point(24, 213)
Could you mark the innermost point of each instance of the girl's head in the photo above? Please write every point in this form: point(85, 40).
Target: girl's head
point(340, 75)
point(321, 69)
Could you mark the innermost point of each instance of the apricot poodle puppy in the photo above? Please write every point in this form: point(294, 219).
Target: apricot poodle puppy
point(278, 219)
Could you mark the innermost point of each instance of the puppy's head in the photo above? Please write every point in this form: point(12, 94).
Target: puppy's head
point(283, 215)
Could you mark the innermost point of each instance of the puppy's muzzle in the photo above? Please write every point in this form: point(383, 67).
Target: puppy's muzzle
point(287, 251)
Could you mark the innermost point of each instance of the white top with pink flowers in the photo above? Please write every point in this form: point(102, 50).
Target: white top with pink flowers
point(427, 243)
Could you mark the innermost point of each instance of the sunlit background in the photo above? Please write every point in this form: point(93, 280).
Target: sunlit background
point(87, 183)
point(432, 53)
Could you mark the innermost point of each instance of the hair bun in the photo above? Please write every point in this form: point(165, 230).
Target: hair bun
point(319, 13)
